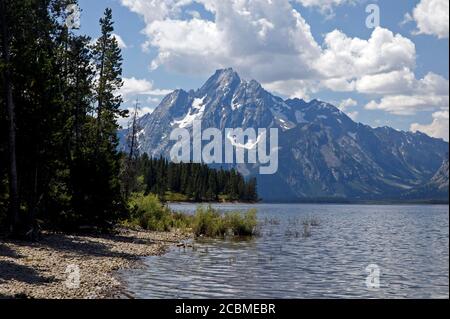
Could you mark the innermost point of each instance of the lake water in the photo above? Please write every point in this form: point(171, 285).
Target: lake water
point(407, 245)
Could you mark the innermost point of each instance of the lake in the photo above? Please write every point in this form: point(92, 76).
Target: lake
point(351, 251)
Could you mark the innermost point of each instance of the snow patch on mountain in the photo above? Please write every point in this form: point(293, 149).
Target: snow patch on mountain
point(195, 113)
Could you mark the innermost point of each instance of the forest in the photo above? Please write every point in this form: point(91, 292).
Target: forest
point(194, 182)
point(60, 167)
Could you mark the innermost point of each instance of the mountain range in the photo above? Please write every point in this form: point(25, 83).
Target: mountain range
point(323, 154)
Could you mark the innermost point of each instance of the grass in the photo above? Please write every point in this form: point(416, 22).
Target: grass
point(209, 222)
point(176, 197)
point(311, 221)
point(149, 213)
point(308, 223)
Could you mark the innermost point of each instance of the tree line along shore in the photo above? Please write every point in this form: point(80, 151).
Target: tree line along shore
point(68, 197)
point(61, 169)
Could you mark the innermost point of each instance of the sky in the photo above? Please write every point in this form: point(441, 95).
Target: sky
point(384, 63)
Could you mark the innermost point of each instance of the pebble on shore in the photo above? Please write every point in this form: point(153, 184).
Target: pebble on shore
point(76, 267)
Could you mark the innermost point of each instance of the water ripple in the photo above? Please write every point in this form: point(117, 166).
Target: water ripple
point(410, 244)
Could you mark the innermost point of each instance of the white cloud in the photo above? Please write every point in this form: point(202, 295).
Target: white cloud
point(438, 128)
point(409, 104)
point(353, 115)
point(294, 88)
point(181, 44)
point(270, 41)
point(404, 82)
point(386, 83)
point(120, 41)
point(345, 104)
point(133, 87)
point(404, 94)
point(346, 58)
point(153, 10)
point(262, 39)
point(325, 6)
point(431, 17)
point(125, 122)
point(379, 65)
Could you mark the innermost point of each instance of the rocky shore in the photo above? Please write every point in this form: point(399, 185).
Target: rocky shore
point(77, 267)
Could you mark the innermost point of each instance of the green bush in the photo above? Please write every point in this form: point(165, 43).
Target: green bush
point(241, 224)
point(208, 222)
point(211, 223)
point(149, 213)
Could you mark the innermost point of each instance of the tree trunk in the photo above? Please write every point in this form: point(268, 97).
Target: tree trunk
point(13, 184)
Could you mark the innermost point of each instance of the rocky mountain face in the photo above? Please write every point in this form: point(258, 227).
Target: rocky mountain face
point(437, 186)
point(440, 180)
point(323, 154)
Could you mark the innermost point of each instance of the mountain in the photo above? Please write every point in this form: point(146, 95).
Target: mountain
point(440, 179)
point(438, 186)
point(322, 154)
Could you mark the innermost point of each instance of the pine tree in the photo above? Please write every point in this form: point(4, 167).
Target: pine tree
point(107, 202)
point(130, 172)
point(11, 113)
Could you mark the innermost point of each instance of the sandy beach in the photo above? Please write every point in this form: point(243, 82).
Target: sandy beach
point(77, 267)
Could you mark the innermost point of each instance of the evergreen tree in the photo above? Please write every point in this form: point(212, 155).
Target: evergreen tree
point(129, 173)
point(197, 181)
point(108, 203)
point(5, 12)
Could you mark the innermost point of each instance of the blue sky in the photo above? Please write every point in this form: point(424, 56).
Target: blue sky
point(395, 75)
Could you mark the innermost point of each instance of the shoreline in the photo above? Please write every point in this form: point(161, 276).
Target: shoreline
point(366, 203)
point(47, 269)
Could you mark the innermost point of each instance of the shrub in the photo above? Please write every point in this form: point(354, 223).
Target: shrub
point(241, 224)
point(208, 222)
point(181, 221)
point(211, 223)
point(149, 213)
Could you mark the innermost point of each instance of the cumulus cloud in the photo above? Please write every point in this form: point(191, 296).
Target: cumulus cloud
point(262, 39)
point(353, 115)
point(120, 41)
point(325, 6)
point(125, 122)
point(118, 38)
point(294, 88)
point(402, 81)
point(346, 58)
point(438, 128)
point(270, 41)
point(409, 104)
point(405, 95)
point(133, 87)
point(346, 105)
point(431, 17)
point(181, 44)
point(153, 10)
point(267, 40)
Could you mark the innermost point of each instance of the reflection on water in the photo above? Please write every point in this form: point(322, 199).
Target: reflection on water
point(410, 245)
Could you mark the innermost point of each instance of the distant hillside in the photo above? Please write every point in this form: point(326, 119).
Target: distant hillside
point(437, 188)
point(323, 153)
